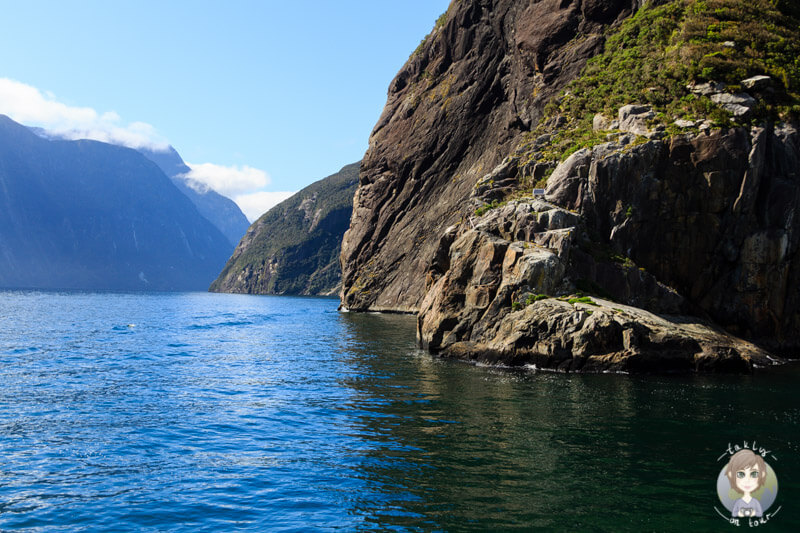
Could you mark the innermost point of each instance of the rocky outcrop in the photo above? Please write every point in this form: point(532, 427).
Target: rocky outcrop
point(455, 110)
point(491, 298)
point(712, 215)
point(700, 225)
point(604, 336)
point(294, 247)
point(668, 242)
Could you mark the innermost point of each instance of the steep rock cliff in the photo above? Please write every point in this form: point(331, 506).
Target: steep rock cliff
point(666, 238)
point(454, 111)
point(294, 247)
point(713, 215)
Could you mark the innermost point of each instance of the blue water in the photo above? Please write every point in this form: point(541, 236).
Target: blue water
point(210, 412)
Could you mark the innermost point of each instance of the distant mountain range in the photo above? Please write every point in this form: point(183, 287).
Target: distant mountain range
point(294, 247)
point(220, 210)
point(90, 215)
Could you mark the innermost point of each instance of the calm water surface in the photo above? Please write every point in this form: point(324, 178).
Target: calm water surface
point(207, 412)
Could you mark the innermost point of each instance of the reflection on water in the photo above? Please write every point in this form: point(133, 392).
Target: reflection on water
point(200, 412)
point(457, 444)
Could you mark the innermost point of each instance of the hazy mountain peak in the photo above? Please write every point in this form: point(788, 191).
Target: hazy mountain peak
point(91, 215)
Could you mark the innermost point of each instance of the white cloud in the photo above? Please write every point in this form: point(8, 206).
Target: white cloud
point(244, 185)
point(30, 106)
point(255, 204)
point(228, 180)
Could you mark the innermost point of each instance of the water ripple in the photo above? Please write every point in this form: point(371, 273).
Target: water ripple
point(200, 412)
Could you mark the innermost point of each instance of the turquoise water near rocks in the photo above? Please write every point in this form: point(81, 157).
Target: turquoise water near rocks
point(213, 412)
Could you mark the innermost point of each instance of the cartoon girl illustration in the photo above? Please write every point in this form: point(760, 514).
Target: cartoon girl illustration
point(746, 472)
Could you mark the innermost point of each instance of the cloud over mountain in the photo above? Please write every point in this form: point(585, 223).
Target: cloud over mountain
point(255, 204)
point(28, 105)
point(243, 184)
point(230, 180)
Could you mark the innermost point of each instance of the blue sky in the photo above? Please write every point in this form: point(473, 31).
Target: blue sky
point(284, 93)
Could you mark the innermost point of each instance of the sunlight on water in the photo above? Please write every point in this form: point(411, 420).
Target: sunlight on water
point(208, 412)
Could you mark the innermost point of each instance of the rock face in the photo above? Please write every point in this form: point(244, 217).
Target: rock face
point(699, 225)
point(454, 111)
point(219, 210)
point(712, 215)
point(294, 247)
point(489, 299)
point(90, 215)
point(651, 249)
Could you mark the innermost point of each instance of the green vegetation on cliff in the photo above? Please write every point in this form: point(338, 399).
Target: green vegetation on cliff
point(658, 51)
point(294, 247)
point(653, 57)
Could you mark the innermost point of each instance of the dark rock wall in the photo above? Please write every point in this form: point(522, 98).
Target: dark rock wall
point(711, 215)
point(453, 112)
point(672, 236)
point(491, 298)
